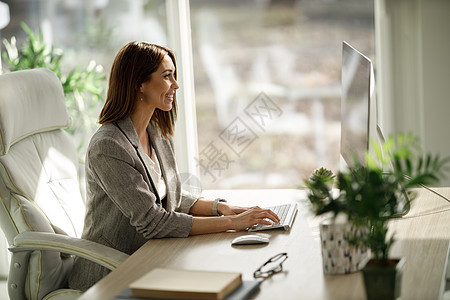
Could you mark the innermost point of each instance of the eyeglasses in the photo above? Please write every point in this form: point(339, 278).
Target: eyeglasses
point(273, 265)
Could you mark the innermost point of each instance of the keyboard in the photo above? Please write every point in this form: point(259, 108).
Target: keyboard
point(286, 213)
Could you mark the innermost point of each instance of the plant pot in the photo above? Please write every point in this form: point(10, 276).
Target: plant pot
point(383, 281)
point(338, 256)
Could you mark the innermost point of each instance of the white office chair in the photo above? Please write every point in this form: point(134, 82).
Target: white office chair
point(41, 207)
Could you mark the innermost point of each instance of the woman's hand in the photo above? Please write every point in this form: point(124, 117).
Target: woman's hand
point(229, 210)
point(253, 216)
point(236, 218)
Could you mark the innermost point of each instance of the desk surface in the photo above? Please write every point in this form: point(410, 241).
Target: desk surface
point(422, 236)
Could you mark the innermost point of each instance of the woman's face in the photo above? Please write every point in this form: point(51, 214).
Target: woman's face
point(158, 92)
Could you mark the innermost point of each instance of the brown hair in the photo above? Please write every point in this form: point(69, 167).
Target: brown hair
point(134, 65)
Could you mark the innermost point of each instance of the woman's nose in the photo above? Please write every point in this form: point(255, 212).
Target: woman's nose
point(175, 85)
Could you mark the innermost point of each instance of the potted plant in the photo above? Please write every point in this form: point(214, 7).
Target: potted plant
point(338, 255)
point(83, 88)
point(373, 194)
point(377, 192)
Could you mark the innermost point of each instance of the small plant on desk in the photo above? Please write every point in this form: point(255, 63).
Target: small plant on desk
point(338, 255)
point(320, 184)
point(375, 193)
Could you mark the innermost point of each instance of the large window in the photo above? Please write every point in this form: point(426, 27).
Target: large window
point(267, 74)
point(267, 80)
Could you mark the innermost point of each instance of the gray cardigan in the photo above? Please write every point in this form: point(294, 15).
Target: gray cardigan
point(123, 209)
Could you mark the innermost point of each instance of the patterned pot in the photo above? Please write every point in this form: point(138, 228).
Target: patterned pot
point(338, 256)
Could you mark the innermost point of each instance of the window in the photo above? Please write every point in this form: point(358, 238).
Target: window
point(267, 82)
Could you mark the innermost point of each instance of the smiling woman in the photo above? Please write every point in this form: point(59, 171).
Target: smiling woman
point(131, 71)
point(133, 187)
point(156, 93)
point(159, 92)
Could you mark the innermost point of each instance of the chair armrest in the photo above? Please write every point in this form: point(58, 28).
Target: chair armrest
point(105, 256)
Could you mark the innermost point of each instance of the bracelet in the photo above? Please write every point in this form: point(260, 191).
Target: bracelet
point(215, 212)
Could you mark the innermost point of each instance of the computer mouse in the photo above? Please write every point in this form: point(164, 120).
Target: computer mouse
point(250, 239)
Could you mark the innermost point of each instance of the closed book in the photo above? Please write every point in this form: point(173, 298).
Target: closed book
point(185, 284)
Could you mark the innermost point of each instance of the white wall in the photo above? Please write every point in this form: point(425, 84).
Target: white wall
point(435, 34)
point(413, 70)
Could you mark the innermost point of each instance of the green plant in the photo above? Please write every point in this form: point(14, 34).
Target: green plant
point(320, 184)
point(371, 195)
point(83, 88)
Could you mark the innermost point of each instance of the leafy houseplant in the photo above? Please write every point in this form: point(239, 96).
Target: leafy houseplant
point(376, 194)
point(373, 194)
point(83, 88)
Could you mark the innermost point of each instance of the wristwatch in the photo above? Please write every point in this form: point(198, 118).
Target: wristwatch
point(214, 207)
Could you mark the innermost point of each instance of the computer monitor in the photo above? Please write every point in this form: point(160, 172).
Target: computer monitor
point(359, 116)
point(358, 106)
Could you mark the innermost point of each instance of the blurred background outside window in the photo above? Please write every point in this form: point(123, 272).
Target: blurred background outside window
point(267, 82)
point(267, 74)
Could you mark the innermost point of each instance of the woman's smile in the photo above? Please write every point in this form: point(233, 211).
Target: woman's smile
point(159, 91)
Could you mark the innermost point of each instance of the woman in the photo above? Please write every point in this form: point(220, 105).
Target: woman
point(133, 189)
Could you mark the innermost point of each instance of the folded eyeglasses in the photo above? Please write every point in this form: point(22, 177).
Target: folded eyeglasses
point(273, 265)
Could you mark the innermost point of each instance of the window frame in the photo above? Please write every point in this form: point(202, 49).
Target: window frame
point(179, 39)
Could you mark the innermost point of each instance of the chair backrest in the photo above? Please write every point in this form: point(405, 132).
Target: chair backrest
point(39, 187)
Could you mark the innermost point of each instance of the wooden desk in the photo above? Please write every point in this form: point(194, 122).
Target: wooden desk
point(423, 237)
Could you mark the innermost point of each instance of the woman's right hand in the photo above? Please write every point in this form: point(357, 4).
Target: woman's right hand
point(254, 215)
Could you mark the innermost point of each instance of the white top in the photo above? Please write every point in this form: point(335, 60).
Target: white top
point(156, 174)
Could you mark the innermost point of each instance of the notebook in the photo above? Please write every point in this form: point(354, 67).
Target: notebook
point(185, 284)
point(286, 213)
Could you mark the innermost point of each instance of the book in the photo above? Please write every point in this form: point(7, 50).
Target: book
point(185, 284)
point(242, 292)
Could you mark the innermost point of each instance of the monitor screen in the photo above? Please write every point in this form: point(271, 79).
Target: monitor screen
point(357, 117)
